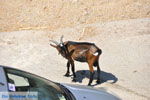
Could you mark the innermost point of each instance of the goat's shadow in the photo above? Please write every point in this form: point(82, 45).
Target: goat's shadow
point(105, 76)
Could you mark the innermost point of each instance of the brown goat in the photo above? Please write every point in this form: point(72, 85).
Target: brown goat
point(82, 52)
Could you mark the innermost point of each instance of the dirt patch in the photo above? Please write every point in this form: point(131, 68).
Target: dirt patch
point(124, 61)
point(52, 15)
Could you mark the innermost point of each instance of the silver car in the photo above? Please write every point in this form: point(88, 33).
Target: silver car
point(14, 81)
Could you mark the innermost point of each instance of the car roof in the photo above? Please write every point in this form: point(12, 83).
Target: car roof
point(11, 68)
point(5, 66)
point(25, 72)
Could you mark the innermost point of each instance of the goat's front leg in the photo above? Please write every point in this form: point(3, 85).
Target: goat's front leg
point(68, 72)
point(73, 71)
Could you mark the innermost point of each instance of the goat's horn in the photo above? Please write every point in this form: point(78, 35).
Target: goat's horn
point(61, 39)
point(54, 42)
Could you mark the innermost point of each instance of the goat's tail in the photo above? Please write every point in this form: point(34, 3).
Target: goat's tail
point(96, 62)
point(99, 51)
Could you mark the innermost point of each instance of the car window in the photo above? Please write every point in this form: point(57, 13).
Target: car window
point(23, 81)
point(18, 80)
point(17, 83)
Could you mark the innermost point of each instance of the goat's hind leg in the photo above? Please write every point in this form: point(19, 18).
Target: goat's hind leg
point(68, 72)
point(91, 78)
point(91, 73)
point(98, 73)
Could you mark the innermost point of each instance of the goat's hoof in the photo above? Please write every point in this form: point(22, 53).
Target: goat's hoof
point(67, 75)
point(98, 81)
point(89, 84)
point(74, 80)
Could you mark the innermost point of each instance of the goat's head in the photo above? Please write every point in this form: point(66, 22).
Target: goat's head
point(59, 46)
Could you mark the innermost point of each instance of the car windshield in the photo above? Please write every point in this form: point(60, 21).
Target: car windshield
point(26, 82)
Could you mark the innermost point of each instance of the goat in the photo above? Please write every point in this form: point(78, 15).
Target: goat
point(82, 52)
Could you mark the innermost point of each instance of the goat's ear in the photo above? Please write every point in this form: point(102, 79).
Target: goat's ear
point(53, 45)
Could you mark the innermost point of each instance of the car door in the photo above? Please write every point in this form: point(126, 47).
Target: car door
point(20, 81)
point(3, 82)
